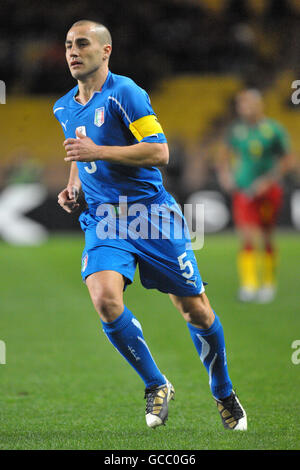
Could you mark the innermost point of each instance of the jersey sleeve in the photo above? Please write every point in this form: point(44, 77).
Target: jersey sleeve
point(133, 106)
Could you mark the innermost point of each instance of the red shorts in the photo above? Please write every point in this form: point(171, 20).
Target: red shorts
point(260, 211)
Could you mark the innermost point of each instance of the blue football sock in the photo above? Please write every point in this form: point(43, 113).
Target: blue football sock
point(210, 346)
point(125, 333)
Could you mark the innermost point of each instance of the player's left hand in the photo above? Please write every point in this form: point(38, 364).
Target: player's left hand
point(261, 186)
point(82, 149)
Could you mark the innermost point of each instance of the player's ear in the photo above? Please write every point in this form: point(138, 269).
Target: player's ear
point(106, 51)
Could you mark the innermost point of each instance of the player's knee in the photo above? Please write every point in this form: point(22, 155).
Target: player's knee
point(108, 306)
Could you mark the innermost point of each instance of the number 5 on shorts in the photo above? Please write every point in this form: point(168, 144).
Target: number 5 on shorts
point(185, 265)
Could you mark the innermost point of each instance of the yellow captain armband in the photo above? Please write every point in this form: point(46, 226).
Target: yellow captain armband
point(145, 126)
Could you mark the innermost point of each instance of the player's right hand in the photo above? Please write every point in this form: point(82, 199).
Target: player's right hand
point(67, 199)
point(226, 181)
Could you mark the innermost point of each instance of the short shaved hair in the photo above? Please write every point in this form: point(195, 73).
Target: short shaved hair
point(101, 30)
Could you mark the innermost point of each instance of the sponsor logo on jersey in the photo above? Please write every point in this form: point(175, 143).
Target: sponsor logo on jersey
point(99, 117)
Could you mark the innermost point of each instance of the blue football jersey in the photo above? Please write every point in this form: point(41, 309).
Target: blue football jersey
point(119, 115)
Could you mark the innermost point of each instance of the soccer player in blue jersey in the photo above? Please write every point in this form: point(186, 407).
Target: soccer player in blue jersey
point(114, 144)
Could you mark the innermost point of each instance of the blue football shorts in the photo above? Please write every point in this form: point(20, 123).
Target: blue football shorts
point(152, 235)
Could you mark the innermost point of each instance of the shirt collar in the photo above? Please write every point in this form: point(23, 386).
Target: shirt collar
point(104, 86)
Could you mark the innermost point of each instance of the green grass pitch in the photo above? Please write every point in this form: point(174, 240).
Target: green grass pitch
point(65, 387)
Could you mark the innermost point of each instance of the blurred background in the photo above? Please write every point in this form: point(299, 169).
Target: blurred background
point(192, 57)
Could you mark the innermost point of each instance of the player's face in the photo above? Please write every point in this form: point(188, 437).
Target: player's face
point(248, 106)
point(84, 52)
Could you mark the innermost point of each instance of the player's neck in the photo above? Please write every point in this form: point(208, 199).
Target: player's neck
point(254, 120)
point(88, 86)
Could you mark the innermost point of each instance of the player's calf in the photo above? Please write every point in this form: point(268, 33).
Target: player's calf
point(195, 310)
point(208, 337)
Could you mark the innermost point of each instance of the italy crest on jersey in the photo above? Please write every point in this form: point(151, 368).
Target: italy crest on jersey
point(84, 262)
point(99, 117)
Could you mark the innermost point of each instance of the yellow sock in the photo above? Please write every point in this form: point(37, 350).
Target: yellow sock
point(247, 269)
point(268, 268)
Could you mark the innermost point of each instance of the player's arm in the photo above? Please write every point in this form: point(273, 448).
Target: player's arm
point(141, 154)
point(67, 198)
point(83, 149)
point(224, 167)
point(284, 165)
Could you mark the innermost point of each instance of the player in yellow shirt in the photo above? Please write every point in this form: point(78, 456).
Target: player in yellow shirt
point(260, 149)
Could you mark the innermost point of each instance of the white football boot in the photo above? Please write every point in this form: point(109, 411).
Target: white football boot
point(247, 294)
point(266, 294)
point(157, 403)
point(232, 413)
